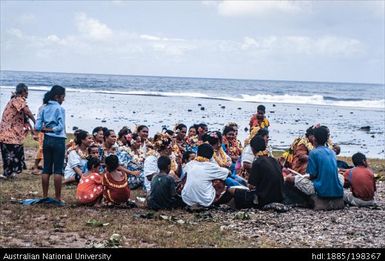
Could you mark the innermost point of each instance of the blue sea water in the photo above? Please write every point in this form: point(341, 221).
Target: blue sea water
point(292, 92)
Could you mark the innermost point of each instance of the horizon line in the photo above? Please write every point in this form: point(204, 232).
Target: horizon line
point(196, 77)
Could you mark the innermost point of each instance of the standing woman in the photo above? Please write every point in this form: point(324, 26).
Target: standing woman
point(14, 128)
point(51, 121)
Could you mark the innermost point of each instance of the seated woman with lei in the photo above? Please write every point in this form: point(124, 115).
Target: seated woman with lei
point(110, 147)
point(296, 157)
point(115, 187)
point(192, 140)
point(231, 146)
point(77, 157)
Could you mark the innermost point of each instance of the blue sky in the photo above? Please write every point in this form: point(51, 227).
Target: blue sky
point(336, 41)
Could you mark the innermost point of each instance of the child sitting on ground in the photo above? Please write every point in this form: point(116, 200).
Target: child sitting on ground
point(115, 187)
point(361, 181)
point(163, 188)
point(90, 188)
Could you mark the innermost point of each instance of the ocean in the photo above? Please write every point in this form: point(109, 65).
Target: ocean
point(317, 93)
point(115, 101)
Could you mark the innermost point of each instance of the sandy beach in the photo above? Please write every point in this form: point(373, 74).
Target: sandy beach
point(288, 121)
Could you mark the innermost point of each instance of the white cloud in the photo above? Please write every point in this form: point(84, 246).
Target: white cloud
point(92, 27)
point(304, 45)
point(239, 8)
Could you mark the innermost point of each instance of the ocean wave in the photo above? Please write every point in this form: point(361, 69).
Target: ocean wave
point(268, 98)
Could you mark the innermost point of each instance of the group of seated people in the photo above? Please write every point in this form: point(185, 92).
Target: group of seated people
point(196, 167)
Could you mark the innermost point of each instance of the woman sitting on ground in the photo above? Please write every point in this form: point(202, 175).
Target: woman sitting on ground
point(77, 157)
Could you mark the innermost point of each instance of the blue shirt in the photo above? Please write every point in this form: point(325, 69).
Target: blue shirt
point(52, 116)
point(322, 167)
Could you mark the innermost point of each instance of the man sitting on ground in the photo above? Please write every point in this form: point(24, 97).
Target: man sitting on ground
point(202, 176)
point(361, 181)
point(266, 180)
point(322, 180)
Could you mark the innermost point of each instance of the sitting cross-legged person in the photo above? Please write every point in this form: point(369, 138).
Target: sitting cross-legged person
point(265, 180)
point(115, 188)
point(322, 181)
point(163, 188)
point(205, 180)
point(361, 181)
point(90, 188)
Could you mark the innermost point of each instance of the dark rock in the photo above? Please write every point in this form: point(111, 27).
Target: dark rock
point(134, 112)
point(372, 136)
point(72, 115)
point(74, 128)
point(104, 121)
point(296, 120)
point(273, 105)
point(272, 111)
point(199, 104)
point(239, 108)
point(297, 109)
point(189, 110)
point(365, 128)
point(351, 112)
point(223, 107)
point(202, 108)
point(246, 129)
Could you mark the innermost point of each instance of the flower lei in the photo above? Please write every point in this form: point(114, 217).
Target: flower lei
point(233, 147)
point(254, 130)
point(201, 159)
point(82, 154)
point(221, 159)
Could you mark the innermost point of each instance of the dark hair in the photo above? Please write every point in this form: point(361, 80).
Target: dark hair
point(337, 148)
point(112, 163)
point(227, 129)
point(140, 128)
point(56, 90)
point(123, 132)
point(79, 136)
point(135, 136)
point(186, 155)
point(261, 108)
point(107, 133)
point(21, 87)
point(309, 131)
point(92, 162)
point(202, 125)
point(257, 143)
point(180, 126)
point(321, 135)
point(91, 147)
point(164, 163)
point(206, 151)
point(263, 132)
point(358, 159)
point(96, 130)
point(211, 139)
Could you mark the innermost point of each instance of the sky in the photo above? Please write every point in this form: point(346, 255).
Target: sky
point(327, 41)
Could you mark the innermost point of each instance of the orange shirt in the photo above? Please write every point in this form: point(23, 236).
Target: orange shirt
point(362, 183)
point(115, 191)
point(90, 188)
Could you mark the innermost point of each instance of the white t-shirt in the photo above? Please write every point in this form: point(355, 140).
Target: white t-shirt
point(74, 160)
point(150, 168)
point(198, 188)
point(247, 155)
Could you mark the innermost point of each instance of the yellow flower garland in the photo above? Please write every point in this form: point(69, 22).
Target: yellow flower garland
point(222, 158)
